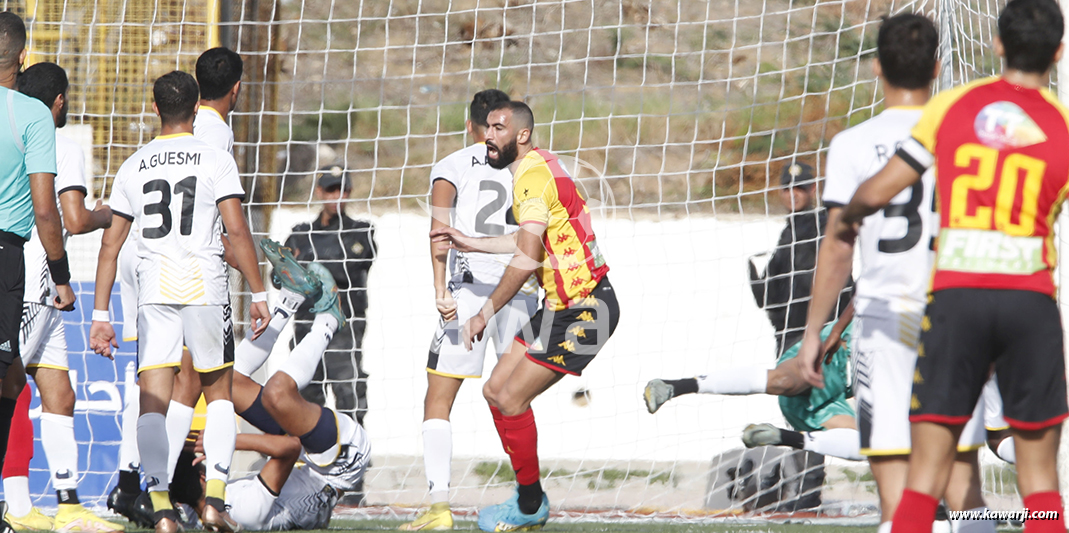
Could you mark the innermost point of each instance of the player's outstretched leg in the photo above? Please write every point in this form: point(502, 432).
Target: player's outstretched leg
point(844, 443)
point(731, 381)
point(21, 513)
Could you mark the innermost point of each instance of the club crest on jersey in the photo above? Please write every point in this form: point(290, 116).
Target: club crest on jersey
point(1005, 125)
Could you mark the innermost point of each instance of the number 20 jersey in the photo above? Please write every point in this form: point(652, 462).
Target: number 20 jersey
point(170, 189)
point(1001, 157)
point(894, 242)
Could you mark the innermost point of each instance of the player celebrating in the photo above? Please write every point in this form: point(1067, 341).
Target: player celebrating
point(465, 181)
point(998, 148)
point(43, 341)
point(182, 285)
point(577, 317)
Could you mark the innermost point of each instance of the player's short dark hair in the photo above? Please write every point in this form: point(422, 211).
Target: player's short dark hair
point(185, 486)
point(1031, 31)
point(218, 70)
point(176, 95)
point(482, 102)
point(908, 49)
point(521, 113)
point(12, 38)
point(43, 81)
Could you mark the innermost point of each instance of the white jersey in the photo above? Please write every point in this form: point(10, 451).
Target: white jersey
point(210, 127)
point(895, 242)
point(70, 176)
point(306, 502)
point(345, 463)
point(483, 209)
point(170, 189)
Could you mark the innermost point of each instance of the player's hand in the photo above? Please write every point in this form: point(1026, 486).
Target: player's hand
point(810, 361)
point(455, 239)
point(64, 297)
point(198, 447)
point(102, 339)
point(260, 317)
point(473, 330)
point(846, 232)
point(831, 345)
point(100, 207)
point(446, 305)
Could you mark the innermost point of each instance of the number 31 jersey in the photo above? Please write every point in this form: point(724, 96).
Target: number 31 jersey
point(170, 189)
point(895, 242)
point(483, 209)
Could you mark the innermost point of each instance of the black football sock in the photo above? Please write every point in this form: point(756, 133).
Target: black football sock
point(67, 496)
point(530, 497)
point(793, 439)
point(129, 481)
point(683, 386)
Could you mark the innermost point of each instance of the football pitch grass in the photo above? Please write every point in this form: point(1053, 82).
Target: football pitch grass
point(626, 527)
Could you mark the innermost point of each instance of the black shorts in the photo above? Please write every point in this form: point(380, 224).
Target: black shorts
point(567, 340)
point(967, 331)
point(12, 290)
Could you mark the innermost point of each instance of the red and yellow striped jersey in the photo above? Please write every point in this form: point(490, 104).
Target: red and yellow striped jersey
point(544, 193)
point(1001, 155)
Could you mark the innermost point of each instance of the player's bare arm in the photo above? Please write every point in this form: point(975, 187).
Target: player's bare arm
point(443, 196)
point(873, 195)
point(528, 257)
point(835, 336)
point(245, 254)
point(834, 262)
point(453, 238)
point(50, 229)
point(101, 334)
point(77, 219)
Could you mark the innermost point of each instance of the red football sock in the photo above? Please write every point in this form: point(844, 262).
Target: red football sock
point(519, 435)
point(915, 513)
point(20, 443)
point(1048, 502)
point(498, 420)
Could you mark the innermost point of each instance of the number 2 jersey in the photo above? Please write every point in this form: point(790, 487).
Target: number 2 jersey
point(170, 189)
point(1001, 157)
point(894, 242)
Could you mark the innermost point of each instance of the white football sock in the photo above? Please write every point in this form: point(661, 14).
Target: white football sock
point(326, 320)
point(128, 457)
point(974, 526)
point(885, 527)
point(152, 447)
point(61, 450)
point(17, 495)
point(844, 443)
point(437, 457)
point(1007, 451)
point(306, 356)
point(251, 354)
point(179, 420)
point(735, 381)
point(220, 434)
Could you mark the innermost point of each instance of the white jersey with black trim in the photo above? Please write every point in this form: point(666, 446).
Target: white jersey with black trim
point(170, 189)
point(70, 176)
point(306, 502)
point(895, 242)
point(344, 464)
point(483, 208)
point(210, 127)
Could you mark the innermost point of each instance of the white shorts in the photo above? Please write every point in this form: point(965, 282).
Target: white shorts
point(885, 359)
point(448, 356)
point(344, 464)
point(206, 330)
point(128, 288)
point(255, 503)
point(304, 503)
point(992, 400)
point(42, 340)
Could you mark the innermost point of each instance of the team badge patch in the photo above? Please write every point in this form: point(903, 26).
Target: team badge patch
point(1005, 125)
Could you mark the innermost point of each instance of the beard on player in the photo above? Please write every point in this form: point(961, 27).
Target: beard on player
point(501, 157)
point(62, 119)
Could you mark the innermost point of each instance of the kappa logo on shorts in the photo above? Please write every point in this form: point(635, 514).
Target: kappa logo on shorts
point(586, 316)
point(917, 379)
point(578, 331)
point(914, 403)
point(559, 359)
point(567, 345)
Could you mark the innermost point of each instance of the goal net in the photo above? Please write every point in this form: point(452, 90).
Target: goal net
point(676, 119)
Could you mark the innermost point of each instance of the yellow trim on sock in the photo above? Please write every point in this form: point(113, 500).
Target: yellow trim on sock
point(161, 500)
point(216, 488)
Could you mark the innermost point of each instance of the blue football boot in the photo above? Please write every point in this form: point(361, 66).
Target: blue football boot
point(285, 272)
point(328, 300)
point(507, 516)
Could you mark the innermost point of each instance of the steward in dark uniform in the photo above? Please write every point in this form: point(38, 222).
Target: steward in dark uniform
point(347, 248)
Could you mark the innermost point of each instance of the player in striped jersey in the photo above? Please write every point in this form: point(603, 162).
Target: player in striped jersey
point(473, 197)
point(43, 341)
point(180, 191)
point(556, 242)
point(997, 147)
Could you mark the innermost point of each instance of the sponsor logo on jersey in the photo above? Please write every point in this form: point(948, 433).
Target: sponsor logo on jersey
point(989, 252)
point(1005, 125)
